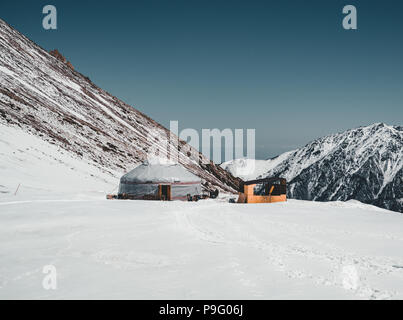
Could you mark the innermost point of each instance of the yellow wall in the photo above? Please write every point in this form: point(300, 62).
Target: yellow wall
point(249, 197)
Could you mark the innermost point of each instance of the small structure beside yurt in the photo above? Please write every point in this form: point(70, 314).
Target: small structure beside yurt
point(267, 190)
point(158, 180)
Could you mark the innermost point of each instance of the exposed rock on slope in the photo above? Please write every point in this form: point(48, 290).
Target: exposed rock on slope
point(61, 58)
point(41, 93)
point(365, 164)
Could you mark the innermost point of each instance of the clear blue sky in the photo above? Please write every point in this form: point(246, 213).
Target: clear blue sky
point(286, 68)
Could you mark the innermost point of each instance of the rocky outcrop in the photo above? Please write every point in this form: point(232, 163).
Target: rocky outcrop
point(61, 58)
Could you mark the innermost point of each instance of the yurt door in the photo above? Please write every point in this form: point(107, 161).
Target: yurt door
point(165, 192)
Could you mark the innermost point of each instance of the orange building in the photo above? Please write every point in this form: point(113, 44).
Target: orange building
point(266, 190)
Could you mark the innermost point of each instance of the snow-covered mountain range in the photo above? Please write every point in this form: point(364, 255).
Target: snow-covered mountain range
point(42, 94)
point(364, 164)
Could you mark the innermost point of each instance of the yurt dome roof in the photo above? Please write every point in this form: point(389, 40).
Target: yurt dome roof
point(159, 172)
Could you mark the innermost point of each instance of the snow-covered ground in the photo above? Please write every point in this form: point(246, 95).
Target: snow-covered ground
point(31, 168)
point(178, 250)
point(205, 250)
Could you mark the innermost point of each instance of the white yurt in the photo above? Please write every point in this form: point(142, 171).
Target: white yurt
point(159, 180)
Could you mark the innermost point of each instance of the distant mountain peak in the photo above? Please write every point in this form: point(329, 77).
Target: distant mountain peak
point(364, 164)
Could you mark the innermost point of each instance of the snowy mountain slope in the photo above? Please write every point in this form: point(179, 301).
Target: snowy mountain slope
point(31, 168)
point(249, 169)
point(141, 249)
point(206, 250)
point(365, 164)
point(42, 94)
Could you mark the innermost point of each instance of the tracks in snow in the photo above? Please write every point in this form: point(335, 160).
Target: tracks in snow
point(264, 241)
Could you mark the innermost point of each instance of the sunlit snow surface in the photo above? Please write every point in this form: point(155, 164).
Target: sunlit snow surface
point(178, 250)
